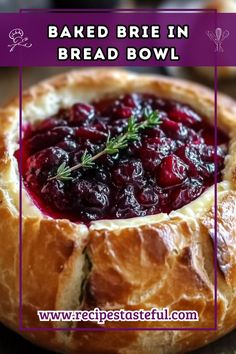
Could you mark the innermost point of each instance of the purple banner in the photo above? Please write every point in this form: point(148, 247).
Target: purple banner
point(117, 39)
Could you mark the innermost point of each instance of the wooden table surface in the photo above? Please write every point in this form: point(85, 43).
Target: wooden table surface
point(11, 343)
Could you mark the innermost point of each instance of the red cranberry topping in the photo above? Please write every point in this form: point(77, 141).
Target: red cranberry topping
point(81, 114)
point(130, 171)
point(50, 123)
point(167, 167)
point(171, 171)
point(92, 134)
point(184, 114)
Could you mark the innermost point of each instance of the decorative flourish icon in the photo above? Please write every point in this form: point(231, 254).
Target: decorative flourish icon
point(218, 37)
point(17, 37)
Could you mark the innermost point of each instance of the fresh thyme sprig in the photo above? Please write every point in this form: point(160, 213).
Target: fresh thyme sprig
point(113, 145)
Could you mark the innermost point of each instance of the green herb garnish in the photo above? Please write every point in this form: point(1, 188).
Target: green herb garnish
point(112, 146)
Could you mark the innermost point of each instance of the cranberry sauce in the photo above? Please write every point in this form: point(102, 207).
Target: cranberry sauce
point(167, 167)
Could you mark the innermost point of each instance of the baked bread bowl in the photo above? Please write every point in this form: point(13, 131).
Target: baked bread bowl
point(160, 260)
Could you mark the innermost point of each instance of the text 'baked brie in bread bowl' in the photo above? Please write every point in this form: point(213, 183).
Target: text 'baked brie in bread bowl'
point(130, 225)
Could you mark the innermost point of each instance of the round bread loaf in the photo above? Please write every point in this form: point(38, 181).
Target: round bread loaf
point(161, 261)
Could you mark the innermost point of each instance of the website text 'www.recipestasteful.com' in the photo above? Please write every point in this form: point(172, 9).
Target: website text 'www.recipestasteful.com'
point(102, 316)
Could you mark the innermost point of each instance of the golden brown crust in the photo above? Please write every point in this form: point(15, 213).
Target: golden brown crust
point(226, 236)
point(158, 261)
